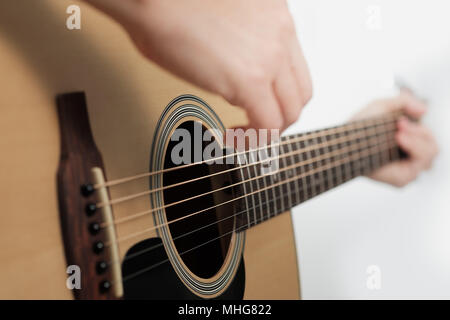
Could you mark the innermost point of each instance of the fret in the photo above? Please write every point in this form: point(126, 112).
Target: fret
point(322, 163)
point(362, 146)
point(350, 168)
point(393, 153)
point(364, 161)
point(292, 173)
point(397, 155)
point(323, 186)
point(373, 133)
point(337, 170)
point(377, 159)
point(302, 168)
point(284, 175)
point(340, 173)
point(349, 144)
point(249, 169)
point(279, 187)
point(274, 205)
point(263, 183)
point(246, 191)
point(374, 160)
point(384, 154)
point(275, 179)
point(265, 206)
point(316, 177)
point(291, 161)
point(329, 160)
point(253, 156)
point(311, 166)
point(345, 166)
point(367, 162)
point(278, 203)
point(299, 158)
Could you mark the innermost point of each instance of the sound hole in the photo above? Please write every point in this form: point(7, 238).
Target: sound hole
point(203, 237)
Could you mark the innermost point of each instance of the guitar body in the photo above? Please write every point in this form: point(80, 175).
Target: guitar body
point(126, 96)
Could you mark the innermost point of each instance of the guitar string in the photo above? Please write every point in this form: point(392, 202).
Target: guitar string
point(296, 165)
point(297, 152)
point(292, 192)
point(149, 174)
point(154, 247)
point(149, 268)
point(349, 138)
point(320, 158)
point(151, 191)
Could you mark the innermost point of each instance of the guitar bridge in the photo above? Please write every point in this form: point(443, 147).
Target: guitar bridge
point(84, 239)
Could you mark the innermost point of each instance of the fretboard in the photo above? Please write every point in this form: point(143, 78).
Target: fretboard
point(312, 163)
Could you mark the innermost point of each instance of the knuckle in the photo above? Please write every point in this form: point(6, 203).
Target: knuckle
point(286, 23)
point(274, 123)
point(232, 94)
point(246, 87)
point(231, 97)
point(256, 76)
point(229, 92)
point(276, 53)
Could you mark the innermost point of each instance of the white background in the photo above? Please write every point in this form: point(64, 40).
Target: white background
point(355, 55)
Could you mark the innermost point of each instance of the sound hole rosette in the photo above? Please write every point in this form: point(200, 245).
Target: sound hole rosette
point(181, 109)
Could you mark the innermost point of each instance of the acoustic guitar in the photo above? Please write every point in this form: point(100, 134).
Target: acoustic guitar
point(88, 187)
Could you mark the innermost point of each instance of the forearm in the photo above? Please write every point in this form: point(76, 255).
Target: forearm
point(245, 51)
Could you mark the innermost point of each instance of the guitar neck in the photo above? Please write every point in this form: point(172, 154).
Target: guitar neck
point(312, 163)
